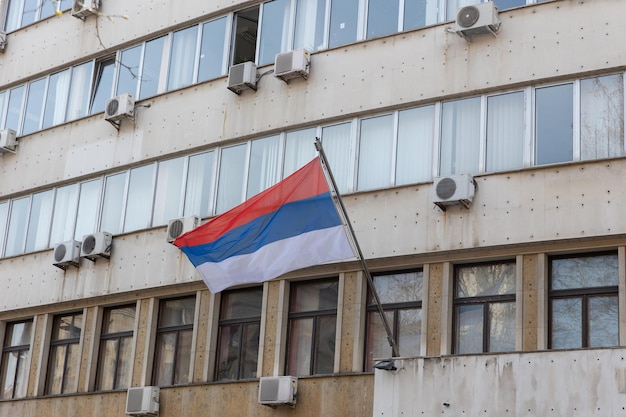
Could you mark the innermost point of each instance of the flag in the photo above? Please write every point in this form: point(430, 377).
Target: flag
point(292, 225)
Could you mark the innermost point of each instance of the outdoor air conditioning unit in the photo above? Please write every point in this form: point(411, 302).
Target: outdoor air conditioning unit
point(278, 390)
point(292, 64)
point(242, 76)
point(66, 254)
point(142, 401)
point(83, 8)
point(177, 227)
point(478, 19)
point(96, 245)
point(120, 107)
point(454, 190)
point(3, 40)
point(8, 141)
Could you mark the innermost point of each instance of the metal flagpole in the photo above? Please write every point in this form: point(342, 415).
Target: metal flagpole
point(392, 341)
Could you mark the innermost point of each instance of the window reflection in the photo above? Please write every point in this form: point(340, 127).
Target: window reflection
point(154, 65)
point(15, 360)
point(343, 22)
point(182, 60)
point(382, 17)
point(274, 30)
point(554, 123)
point(34, 106)
point(212, 49)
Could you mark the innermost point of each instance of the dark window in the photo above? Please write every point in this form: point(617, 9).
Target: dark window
point(63, 362)
point(245, 34)
point(116, 340)
point(15, 356)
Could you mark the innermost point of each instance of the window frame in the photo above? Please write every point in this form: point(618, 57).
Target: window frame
point(19, 349)
point(66, 342)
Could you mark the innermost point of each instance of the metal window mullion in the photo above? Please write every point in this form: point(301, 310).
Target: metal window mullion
point(486, 326)
point(196, 61)
point(25, 237)
point(327, 14)
point(139, 69)
point(584, 318)
point(394, 147)
point(361, 26)
point(183, 187)
point(166, 61)
point(246, 171)
point(124, 201)
point(100, 205)
point(576, 146)
point(259, 32)
point(54, 199)
point(482, 136)
point(314, 345)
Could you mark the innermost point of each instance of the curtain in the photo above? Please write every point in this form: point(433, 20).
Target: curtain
point(338, 148)
point(79, 91)
point(66, 201)
point(415, 141)
point(310, 19)
point(264, 168)
point(375, 153)
point(231, 177)
point(505, 132)
point(56, 99)
point(299, 149)
point(39, 221)
point(460, 136)
point(169, 189)
point(87, 208)
point(183, 58)
point(199, 185)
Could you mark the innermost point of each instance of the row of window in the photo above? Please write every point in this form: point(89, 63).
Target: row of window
point(583, 312)
point(201, 52)
point(488, 133)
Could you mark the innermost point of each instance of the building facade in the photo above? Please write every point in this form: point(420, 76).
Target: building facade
point(509, 304)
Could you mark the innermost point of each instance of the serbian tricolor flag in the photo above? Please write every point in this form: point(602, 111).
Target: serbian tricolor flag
point(292, 225)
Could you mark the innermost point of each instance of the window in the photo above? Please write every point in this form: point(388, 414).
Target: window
point(554, 121)
point(401, 297)
point(264, 165)
point(34, 106)
point(78, 100)
point(199, 191)
point(244, 35)
point(509, 4)
point(238, 334)
point(274, 30)
point(312, 327)
point(460, 136)
point(382, 17)
point(183, 58)
point(212, 49)
point(584, 301)
point(56, 99)
point(505, 131)
point(231, 177)
point(139, 198)
point(344, 19)
point(15, 360)
point(152, 70)
point(337, 140)
point(14, 108)
point(420, 13)
point(4, 211)
point(310, 24)
point(128, 74)
point(172, 358)
point(299, 150)
point(169, 191)
point(415, 142)
point(24, 12)
point(115, 360)
point(375, 152)
point(484, 308)
point(63, 362)
point(16, 233)
point(102, 84)
point(39, 221)
point(113, 203)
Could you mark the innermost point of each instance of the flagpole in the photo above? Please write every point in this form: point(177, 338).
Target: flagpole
point(370, 281)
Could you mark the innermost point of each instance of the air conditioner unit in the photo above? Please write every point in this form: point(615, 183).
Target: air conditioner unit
point(278, 390)
point(120, 107)
point(142, 401)
point(478, 19)
point(96, 245)
point(66, 254)
point(177, 227)
point(454, 190)
point(3, 41)
point(242, 76)
point(83, 8)
point(8, 141)
point(292, 64)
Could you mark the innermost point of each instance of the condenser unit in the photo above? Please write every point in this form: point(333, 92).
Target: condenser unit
point(177, 227)
point(141, 401)
point(292, 64)
point(66, 254)
point(8, 141)
point(242, 76)
point(83, 8)
point(278, 390)
point(477, 19)
point(96, 245)
point(119, 108)
point(3, 41)
point(454, 190)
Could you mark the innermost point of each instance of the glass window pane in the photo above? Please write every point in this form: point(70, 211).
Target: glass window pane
point(310, 24)
point(7, 374)
point(14, 109)
point(21, 380)
point(48, 8)
point(299, 150)
point(245, 30)
point(124, 363)
point(509, 4)
point(409, 331)
point(177, 312)
point(34, 106)
point(343, 22)
point(274, 30)
point(377, 344)
point(228, 352)
point(460, 136)
point(300, 337)
point(566, 323)
point(415, 141)
point(87, 208)
point(165, 351)
point(231, 177)
point(199, 189)
point(4, 211)
point(56, 368)
point(603, 321)
point(601, 117)
point(139, 200)
point(419, 13)
point(56, 99)
point(264, 170)
point(241, 304)
point(153, 65)
point(314, 296)
point(119, 319)
point(375, 153)
point(382, 17)
point(13, 15)
point(39, 221)
point(107, 364)
point(79, 91)
point(183, 357)
point(65, 203)
point(485, 280)
point(128, 71)
point(584, 272)
point(469, 333)
point(338, 147)
point(502, 327)
point(102, 85)
point(3, 95)
point(325, 345)
point(183, 58)
point(505, 131)
point(212, 49)
point(250, 351)
point(169, 189)
point(17, 227)
point(554, 121)
point(67, 327)
point(113, 204)
point(29, 13)
point(398, 288)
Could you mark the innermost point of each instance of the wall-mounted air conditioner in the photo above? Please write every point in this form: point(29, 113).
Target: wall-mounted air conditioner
point(177, 227)
point(66, 254)
point(292, 64)
point(242, 76)
point(119, 108)
point(3, 41)
point(96, 245)
point(142, 401)
point(477, 19)
point(278, 390)
point(454, 190)
point(83, 8)
point(8, 141)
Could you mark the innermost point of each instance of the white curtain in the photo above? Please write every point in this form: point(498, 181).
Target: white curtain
point(337, 146)
point(231, 177)
point(299, 149)
point(310, 15)
point(56, 101)
point(79, 91)
point(264, 170)
point(39, 221)
point(66, 201)
point(87, 212)
point(415, 141)
point(169, 189)
point(375, 153)
point(199, 185)
point(183, 58)
point(505, 132)
point(460, 136)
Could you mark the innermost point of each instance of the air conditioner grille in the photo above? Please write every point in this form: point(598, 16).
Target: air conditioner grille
point(468, 16)
point(269, 390)
point(176, 228)
point(112, 106)
point(446, 188)
point(134, 400)
point(89, 244)
point(59, 253)
point(237, 74)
